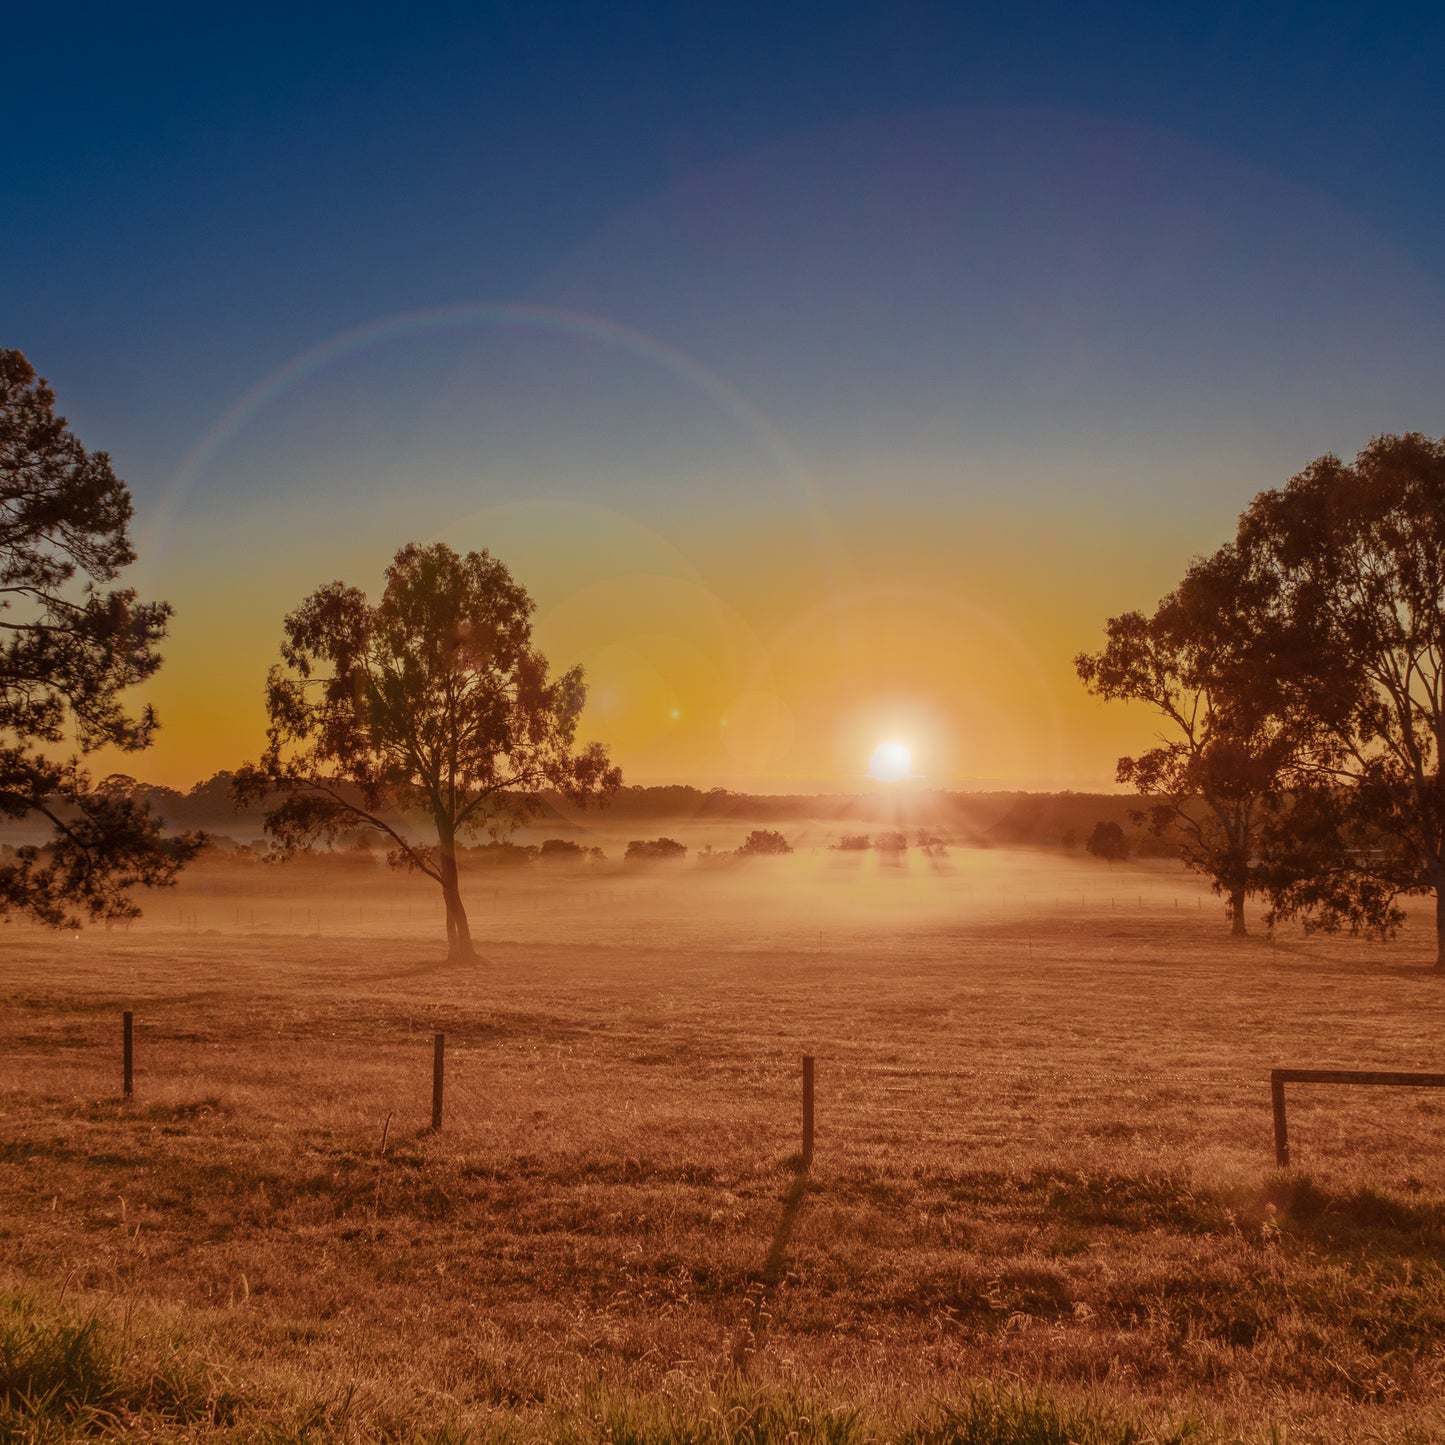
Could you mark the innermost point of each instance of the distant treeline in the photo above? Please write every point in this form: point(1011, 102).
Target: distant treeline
point(980, 820)
point(1002, 819)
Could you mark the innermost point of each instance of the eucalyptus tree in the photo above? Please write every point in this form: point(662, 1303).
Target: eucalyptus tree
point(431, 702)
point(1218, 777)
point(70, 649)
point(1351, 560)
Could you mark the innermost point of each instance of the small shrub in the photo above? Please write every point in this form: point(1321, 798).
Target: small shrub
point(854, 843)
point(502, 855)
point(764, 843)
point(654, 850)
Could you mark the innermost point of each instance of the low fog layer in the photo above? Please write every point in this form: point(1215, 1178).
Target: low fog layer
point(710, 897)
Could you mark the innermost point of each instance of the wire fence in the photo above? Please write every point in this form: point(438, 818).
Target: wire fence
point(509, 1093)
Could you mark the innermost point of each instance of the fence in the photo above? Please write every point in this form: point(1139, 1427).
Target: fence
point(1278, 1078)
point(438, 1082)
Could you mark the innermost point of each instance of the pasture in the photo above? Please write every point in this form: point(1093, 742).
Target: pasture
point(1043, 1188)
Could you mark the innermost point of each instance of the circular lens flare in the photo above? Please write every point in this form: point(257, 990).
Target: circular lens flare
point(891, 762)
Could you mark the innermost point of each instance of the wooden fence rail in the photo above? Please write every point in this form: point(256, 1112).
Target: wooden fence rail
point(1278, 1078)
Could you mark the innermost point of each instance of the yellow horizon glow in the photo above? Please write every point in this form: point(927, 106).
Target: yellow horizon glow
point(778, 676)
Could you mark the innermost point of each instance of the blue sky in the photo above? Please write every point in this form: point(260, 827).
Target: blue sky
point(256, 179)
point(810, 288)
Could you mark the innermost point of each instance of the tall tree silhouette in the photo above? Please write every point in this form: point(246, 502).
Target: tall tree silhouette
point(1351, 560)
point(432, 702)
point(69, 649)
point(1219, 776)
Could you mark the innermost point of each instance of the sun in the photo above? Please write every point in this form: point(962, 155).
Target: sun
point(891, 762)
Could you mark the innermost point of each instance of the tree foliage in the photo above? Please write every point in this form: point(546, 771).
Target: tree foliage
point(1302, 671)
point(69, 650)
point(654, 850)
point(1219, 775)
point(432, 701)
point(764, 843)
point(1351, 560)
point(1107, 841)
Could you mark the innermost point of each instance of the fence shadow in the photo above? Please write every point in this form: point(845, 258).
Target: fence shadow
point(757, 1310)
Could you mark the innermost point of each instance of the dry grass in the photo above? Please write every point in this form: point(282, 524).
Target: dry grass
point(1043, 1161)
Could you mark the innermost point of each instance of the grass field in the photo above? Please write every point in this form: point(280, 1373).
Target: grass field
point(1043, 1205)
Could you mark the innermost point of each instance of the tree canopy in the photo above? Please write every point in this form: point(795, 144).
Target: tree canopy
point(653, 850)
point(432, 701)
point(69, 651)
point(1350, 559)
point(1107, 841)
point(1219, 774)
point(1302, 671)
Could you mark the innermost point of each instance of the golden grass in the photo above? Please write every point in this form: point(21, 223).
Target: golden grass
point(1044, 1154)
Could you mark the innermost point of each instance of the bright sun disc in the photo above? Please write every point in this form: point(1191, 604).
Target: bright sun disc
point(891, 762)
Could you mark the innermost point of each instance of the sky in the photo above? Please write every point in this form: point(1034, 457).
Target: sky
point(827, 374)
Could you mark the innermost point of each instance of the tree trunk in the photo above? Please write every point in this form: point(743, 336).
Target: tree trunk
point(1439, 929)
point(459, 934)
point(1236, 913)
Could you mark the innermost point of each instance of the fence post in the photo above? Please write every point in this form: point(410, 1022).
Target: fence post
point(807, 1110)
point(1281, 1132)
point(439, 1044)
point(127, 1052)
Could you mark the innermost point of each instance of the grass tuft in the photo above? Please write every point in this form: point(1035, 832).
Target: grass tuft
point(750, 1417)
point(62, 1378)
point(995, 1416)
point(51, 1369)
point(986, 1415)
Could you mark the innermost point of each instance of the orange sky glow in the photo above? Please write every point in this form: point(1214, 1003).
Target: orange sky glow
point(787, 484)
point(733, 660)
